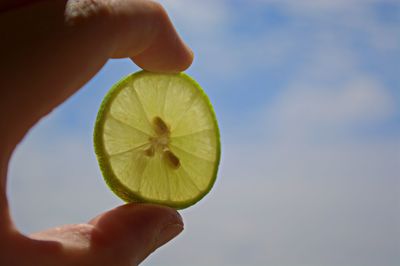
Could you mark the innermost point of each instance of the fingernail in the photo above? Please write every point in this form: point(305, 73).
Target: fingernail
point(168, 232)
point(191, 54)
point(190, 51)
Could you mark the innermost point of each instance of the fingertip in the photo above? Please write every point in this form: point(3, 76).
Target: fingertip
point(143, 31)
point(172, 57)
point(144, 209)
point(167, 52)
point(169, 232)
point(133, 231)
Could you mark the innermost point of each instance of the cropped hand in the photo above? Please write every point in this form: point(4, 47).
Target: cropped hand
point(49, 49)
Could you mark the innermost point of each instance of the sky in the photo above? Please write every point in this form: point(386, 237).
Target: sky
point(308, 102)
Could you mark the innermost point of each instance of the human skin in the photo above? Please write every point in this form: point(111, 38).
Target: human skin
point(48, 50)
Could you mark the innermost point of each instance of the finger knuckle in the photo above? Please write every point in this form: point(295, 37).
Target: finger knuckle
point(78, 11)
point(157, 9)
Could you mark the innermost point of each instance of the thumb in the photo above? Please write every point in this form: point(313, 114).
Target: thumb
point(132, 232)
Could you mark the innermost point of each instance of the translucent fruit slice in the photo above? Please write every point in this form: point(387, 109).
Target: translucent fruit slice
point(157, 140)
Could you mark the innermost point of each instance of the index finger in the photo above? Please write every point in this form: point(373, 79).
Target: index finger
point(51, 48)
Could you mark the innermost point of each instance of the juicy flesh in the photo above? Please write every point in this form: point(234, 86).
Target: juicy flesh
point(161, 139)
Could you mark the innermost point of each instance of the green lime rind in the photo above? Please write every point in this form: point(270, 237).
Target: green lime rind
point(122, 191)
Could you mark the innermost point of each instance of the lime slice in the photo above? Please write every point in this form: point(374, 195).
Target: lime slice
point(157, 140)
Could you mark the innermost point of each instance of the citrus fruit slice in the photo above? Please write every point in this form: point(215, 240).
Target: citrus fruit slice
point(157, 140)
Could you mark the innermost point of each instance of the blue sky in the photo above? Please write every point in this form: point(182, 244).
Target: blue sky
point(308, 100)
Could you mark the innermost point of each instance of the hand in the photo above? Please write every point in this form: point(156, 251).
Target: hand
point(49, 49)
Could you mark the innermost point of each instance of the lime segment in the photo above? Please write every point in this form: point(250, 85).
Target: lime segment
point(157, 140)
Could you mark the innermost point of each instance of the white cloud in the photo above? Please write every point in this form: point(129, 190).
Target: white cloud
point(208, 26)
point(329, 94)
point(308, 107)
point(351, 15)
point(211, 28)
point(201, 18)
point(310, 6)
